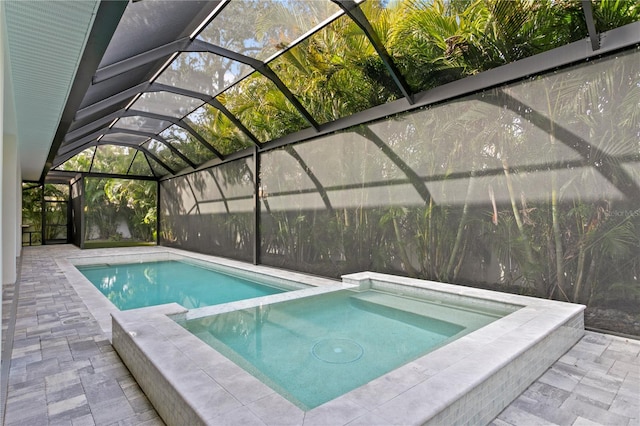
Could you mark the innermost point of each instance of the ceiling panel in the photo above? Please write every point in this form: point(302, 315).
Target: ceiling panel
point(45, 40)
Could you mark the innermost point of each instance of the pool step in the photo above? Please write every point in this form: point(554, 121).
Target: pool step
point(451, 314)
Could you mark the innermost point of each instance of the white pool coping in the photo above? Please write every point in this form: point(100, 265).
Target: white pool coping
point(468, 381)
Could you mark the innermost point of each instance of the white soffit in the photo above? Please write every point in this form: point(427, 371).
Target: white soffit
point(45, 42)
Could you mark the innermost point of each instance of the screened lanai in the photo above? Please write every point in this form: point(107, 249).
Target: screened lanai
point(483, 143)
point(489, 144)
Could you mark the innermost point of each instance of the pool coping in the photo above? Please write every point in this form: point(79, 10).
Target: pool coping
point(468, 381)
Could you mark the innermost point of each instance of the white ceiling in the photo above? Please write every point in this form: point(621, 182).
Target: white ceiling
point(44, 42)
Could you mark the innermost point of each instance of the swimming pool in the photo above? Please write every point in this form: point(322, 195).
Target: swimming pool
point(102, 307)
point(314, 349)
point(136, 285)
point(465, 381)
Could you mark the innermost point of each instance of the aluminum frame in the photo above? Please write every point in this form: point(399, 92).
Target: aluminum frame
point(595, 45)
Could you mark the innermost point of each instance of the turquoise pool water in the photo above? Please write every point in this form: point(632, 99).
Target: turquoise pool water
point(314, 349)
point(137, 285)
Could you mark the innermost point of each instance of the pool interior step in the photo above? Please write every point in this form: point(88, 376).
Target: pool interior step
point(463, 317)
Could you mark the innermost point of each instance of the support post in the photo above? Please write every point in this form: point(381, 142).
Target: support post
point(43, 212)
point(157, 212)
point(256, 206)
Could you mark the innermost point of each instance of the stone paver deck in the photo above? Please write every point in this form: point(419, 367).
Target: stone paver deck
point(64, 371)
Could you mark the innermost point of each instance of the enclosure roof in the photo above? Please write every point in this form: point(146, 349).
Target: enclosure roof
point(164, 87)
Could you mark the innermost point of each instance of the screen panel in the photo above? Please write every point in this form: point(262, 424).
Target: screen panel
point(211, 211)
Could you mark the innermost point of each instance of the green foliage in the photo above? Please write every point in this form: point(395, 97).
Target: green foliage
point(111, 201)
point(55, 205)
point(80, 162)
point(610, 14)
point(32, 206)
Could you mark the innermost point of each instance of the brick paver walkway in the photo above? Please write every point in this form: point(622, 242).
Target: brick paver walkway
point(596, 383)
point(64, 370)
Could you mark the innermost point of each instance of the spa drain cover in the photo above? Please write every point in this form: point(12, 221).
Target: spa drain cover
point(337, 351)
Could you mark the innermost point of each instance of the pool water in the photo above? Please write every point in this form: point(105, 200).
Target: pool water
point(137, 285)
point(314, 349)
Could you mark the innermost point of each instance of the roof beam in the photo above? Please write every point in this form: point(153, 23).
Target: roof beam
point(61, 158)
point(587, 9)
point(111, 101)
point(354, 12)
point(195, 46)
point(268, 72)
point(198, 45)
point(217, 104)
point(90, 127)
point(146, 153)
point(85, 142)
point(68, 146)
point(119, 176)
point(64, 176)
point(155, 137)
point(157, 87)
point(100, 123)
point(147, 57)
point(262, 68)
point(178, 122)
point(139, 60)
point(64, 157)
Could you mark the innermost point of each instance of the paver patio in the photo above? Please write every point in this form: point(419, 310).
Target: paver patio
point(64, 371)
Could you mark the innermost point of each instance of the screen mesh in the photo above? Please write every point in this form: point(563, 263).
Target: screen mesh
point(531, 188)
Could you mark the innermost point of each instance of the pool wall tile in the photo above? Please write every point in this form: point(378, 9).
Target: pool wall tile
point(161, 372)
point(501, 387)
